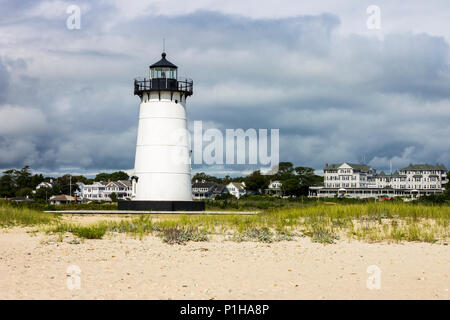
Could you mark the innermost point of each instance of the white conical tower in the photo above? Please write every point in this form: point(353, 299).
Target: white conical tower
point(162, 163)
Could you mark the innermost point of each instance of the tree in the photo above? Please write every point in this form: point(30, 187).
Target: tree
point(14, 180)
point(304, 171)
point(7, 186)
point(82, 179)
point(200, 176)
point(291, 187)
point(42, 193)
point(64, 185)
point(118, 175)
point(113, 197)
point(226, 180)
point(225, 196)
point(35, 180)
point(24, 192)
point(285, 171)
point(447, 187)
point(256, 181)
point(23, 177)
point(307, 178)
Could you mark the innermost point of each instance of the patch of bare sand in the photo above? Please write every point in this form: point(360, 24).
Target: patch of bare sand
point(34, 266)
point(89, 219)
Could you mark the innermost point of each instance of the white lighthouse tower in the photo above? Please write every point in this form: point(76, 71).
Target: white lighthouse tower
point(162, 168)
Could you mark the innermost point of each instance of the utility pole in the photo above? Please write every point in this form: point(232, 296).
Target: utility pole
point(70, 185)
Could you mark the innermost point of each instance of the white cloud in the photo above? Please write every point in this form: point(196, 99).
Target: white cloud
point(21, 121)
point(54, 9)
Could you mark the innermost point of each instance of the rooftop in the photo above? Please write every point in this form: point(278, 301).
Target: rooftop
point(361, 167)
point(62, 197)
point(425, 166)
point(205, 184)
point(163, 63)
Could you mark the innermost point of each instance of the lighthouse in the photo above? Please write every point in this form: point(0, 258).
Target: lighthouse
point(162, 169)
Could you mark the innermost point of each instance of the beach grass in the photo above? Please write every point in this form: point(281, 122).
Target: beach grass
point(95, 231)
point(16, 216)
point(322, 222)
point(181, 235)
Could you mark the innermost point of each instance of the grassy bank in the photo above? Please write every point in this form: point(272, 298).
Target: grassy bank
point(17, 216)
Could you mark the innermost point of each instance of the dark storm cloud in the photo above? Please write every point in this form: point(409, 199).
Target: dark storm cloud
point(4, 81)
point(334, 97)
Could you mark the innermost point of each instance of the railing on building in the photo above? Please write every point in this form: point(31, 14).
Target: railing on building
point(182, 85)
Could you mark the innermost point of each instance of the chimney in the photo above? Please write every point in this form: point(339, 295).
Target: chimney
point(326, 165)
point(109, 180)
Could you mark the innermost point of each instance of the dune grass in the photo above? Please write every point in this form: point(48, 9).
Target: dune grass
point(322, 222)
point(96, 231)
point(16, 216)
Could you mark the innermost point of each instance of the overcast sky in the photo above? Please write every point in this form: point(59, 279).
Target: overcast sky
point(337, 90)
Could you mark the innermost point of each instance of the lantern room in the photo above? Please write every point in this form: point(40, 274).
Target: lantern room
point(163, 69)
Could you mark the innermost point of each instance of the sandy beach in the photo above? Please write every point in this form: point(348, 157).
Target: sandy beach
point(35, 266)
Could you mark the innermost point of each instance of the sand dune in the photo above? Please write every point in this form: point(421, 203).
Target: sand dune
point(35, 266)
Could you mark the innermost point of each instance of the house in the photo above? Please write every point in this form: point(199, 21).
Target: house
point(101, 191)
point(122, 189)
point(361, 181)
point(44, 185)
point(207, 190)
point(348, 175)
point(20, 199)
point(62, 199)
point(203, 190)
point(94, 191)
point(274, 188)
point(220, 189)
point(423, 177)
point(236, 189)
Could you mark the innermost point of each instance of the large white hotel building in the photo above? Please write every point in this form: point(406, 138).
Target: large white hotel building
point(361, 181)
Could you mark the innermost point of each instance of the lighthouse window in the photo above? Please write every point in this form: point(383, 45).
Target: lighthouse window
point(163, 73)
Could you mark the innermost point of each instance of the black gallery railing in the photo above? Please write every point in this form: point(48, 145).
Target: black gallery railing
point(183, 85)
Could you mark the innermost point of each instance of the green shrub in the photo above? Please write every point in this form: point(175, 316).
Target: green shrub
point(178, 235)
point(90, 232)
point(96, 231)
point(255, 234)
point(323, 236)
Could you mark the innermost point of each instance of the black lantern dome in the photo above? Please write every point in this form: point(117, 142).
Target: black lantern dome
point(163, 77)
point(163, 62)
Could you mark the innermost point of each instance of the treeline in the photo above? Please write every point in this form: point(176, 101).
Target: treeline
point(22, 183)
point(295, 180)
